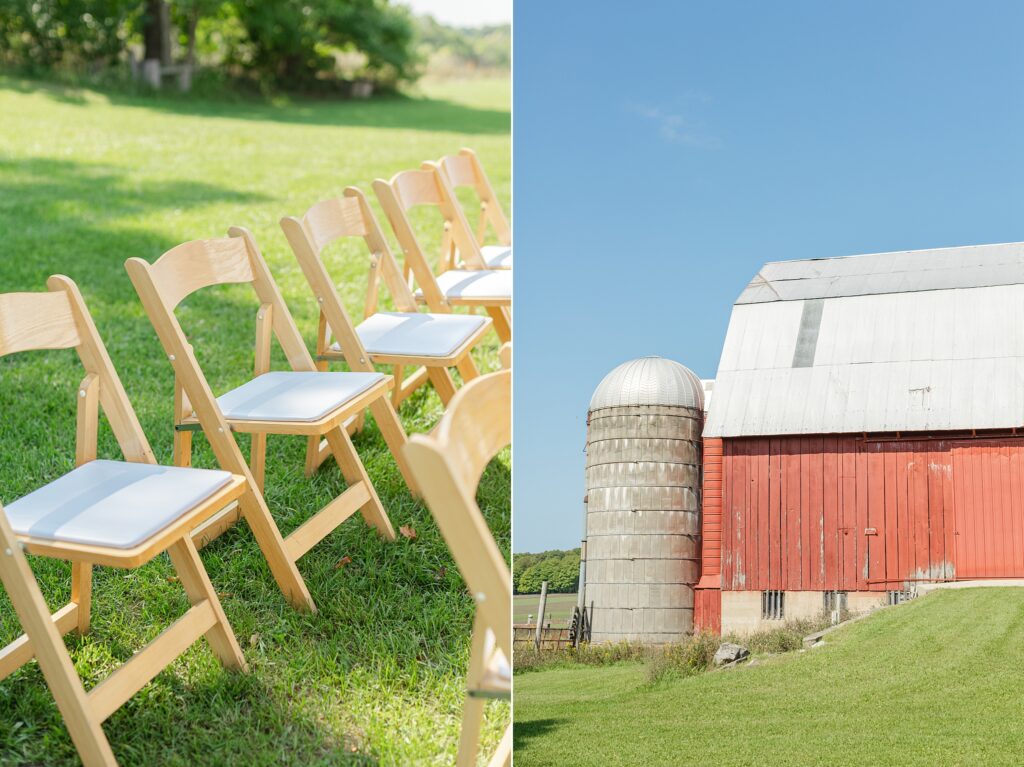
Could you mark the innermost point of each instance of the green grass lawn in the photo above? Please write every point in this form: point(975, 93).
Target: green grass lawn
point(934, 682)
point(558, 607)
point(88, 180)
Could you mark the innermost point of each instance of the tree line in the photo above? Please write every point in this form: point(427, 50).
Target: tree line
point(561, 569)
point(284, 44)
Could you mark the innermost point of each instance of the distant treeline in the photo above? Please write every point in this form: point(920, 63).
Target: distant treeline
point(561, 569)
point(322, 45)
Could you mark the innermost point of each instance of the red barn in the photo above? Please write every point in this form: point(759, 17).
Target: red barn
point(863, 434)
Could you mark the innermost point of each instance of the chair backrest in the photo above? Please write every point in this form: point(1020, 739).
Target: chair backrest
point(427, 186)
point(192, 266)
point(325, 223)
point(448, 464)
point(59, 319)
point(465, 170)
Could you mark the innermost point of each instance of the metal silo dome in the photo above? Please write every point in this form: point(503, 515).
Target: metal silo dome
point(649, 381)
point(643, 475)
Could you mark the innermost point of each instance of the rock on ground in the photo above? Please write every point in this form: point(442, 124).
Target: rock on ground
point(730, 653)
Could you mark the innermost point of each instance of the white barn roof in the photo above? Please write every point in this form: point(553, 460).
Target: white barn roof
point(926, 340)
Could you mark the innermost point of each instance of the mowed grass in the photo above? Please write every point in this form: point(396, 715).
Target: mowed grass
point(934, 682)
point(557, 609)
point(88, 180)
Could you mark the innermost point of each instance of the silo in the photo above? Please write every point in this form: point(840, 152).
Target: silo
point(643, 501)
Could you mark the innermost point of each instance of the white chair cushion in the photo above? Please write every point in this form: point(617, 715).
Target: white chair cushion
point(113, 503)
point(497, 256)
point(294, 395)
point(480, 284)
point(416, 335)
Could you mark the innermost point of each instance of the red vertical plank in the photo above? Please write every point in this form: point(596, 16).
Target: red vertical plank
point(983, 512)
point(905, 530)
point(775, 531)
point(961, 494)
point(791, 506)
point(728, 469)
point(763, 534)
point(847, 539)
point(863, 542)
point(1016, 498)
point(975, 510)
point(830, 526)
point(890, 524)
point(1006, 538)
point(935, 471)
point(876, 466)
point(919, 510)
point(750, 516)
point(805, 513)
point(949, 513)
point(816, 494)
point(740, 490)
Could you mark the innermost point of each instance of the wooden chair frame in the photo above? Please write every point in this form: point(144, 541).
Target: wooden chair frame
point(448, 464)
point(58, 319)
point(351, 216)
point(236, 259)
point(465, 170)
point(428, 186)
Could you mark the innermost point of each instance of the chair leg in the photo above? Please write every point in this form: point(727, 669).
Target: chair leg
point(182, 448)
point(469, 738)
point(467, 369)
point(443, 383)
point(502, 322)
point(502, 756)
point(258, 458)
point(81, 593)
point(268, 538)
point(197, 585)
point(50, 652)
point(394, 435)
point(473, 712)
point(353, 471)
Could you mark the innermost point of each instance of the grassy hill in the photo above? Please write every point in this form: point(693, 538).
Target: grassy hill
point(88, 179)
point(935, 682)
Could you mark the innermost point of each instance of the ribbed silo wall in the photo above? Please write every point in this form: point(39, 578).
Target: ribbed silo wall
point(643, 521)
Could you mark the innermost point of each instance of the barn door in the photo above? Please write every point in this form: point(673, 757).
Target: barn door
point(988, 482)
point(908, 531)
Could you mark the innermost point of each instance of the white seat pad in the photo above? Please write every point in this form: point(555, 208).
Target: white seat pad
point(113, 503)
point(415, 334)
point(294, 395)
point(481, 284)
point(497, 256)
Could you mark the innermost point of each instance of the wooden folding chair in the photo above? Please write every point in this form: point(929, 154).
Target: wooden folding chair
point(448, 464)
point(112, 513)
point(403, 338)
point(465, 170)
point(302, 401)
point(473, 284)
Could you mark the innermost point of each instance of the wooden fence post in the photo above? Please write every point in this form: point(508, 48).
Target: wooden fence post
point(540, 615)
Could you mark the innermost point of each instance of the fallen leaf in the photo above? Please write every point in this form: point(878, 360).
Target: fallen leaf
point(342, 562)
point(172, 579)
point(408, 531)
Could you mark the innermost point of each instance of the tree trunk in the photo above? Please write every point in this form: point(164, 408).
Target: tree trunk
point(193, 22)
point(157, 31)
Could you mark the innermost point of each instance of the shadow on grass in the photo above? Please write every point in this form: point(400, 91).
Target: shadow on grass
point(391, 111)
point(62, 216)
point(522, 732)
point(219, 718)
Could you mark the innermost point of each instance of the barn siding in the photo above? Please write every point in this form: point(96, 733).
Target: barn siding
point(797, 512)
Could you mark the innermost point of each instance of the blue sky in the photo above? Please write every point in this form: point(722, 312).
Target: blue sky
point(663, 151)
